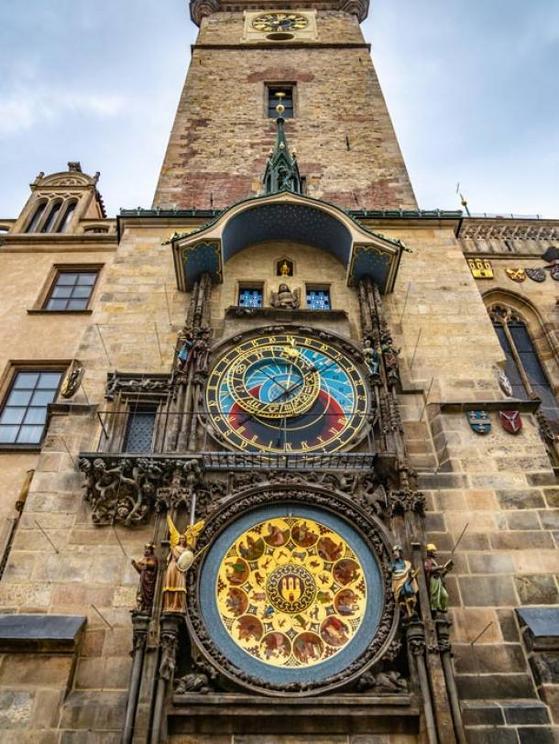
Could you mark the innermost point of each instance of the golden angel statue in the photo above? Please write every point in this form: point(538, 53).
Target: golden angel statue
point(180, 559)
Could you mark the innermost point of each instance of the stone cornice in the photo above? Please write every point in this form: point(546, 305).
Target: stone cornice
point(200, 9)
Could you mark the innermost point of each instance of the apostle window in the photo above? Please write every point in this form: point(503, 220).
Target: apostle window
point(250, 296)
point(71, 290)
point(24, 413)
point(280, 94)
point(318, 299)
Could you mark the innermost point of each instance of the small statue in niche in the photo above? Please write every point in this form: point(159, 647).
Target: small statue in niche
point(390, 355)
point(371, 358)
point(434, 574)
point(286, 299)
point(201, 350)
point(147, 568)
point(72, 380)
point(180, 559)
point(404, 583)
point(184, 350)
point(284, 268)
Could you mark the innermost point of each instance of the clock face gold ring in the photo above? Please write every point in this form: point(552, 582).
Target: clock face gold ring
point(280, 22)
point(287, 393)
point(274, 381)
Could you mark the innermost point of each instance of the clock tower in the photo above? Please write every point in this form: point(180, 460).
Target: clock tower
point(338, 122)
point(265, 464)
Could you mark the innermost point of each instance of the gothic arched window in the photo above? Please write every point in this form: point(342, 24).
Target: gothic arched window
point(68, 214)
point(523, 366)
point(36, 218)
point(50, 222)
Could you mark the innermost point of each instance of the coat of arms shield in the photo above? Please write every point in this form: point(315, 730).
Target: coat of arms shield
point(511, 421)
point(479, 421)
point(536, 275)
point(516, 274)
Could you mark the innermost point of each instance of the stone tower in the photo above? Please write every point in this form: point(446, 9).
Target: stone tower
point(278, 455)
point(340, 126)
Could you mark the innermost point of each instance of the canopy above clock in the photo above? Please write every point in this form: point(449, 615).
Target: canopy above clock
point(292, 217)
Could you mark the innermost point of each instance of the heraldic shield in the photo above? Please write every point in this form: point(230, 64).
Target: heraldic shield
point(479, 421)
point(511, 421)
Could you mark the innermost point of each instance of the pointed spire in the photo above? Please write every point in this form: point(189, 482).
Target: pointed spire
point(282, 171)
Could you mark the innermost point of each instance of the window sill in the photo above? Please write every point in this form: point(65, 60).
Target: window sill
point(41, 311)
point(19, 448)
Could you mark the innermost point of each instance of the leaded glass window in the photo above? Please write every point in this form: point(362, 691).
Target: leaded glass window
point(24, 414)
point(318, 299)
point(71, 290)
point(139, 430)
point(250, 297)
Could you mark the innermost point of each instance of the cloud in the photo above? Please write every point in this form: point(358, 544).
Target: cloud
point(27, 107)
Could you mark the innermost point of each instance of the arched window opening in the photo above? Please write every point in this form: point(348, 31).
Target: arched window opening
point(36, 218)
point(523, 367)
point(68, 214)
point(52, 217)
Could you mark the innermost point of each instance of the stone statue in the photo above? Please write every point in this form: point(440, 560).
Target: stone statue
point(434, 574)
point(286, 299)
point(72, 380)
point(180, 559)
point(184, 351)
point(201, 350)
point(384, 683)
point(404, 584)
point(147, 568)
point(371, 358)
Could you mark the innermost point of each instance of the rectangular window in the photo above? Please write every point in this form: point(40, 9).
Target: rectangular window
point(318, 299)
point(24, 414)
point(250, 297)
point(71, 290)
point(286, 99)
point(139, 430)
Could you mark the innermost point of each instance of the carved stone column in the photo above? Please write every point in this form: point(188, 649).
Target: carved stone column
point(443, 635)
point(415, 634)
point(140, 625)
point(167, 660)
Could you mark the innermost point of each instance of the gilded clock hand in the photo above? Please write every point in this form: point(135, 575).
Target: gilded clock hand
point(296, 385)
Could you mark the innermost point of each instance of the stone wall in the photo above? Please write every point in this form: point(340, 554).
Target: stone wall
point(221, 136)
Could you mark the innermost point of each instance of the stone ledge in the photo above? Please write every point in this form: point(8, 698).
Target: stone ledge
point(511, 404)
point(40, 633)
point(540, 627)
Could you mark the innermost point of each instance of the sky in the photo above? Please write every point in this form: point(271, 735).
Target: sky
point(472, 87)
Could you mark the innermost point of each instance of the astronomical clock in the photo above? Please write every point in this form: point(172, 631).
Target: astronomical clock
point(287, 393)
point(292, 591)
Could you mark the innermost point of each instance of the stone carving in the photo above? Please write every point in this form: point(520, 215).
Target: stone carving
point(434, 574)
point(371, 358)
point(117, 383)
point(179, 560)
point(147, 568)
point(383, 683)
point(72, 380)
point(286, 299)
point(126, 490)
point(404, 583)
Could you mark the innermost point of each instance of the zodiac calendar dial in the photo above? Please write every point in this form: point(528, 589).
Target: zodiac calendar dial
point(286, 393)
point(291, 592)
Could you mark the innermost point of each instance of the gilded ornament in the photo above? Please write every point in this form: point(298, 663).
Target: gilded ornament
point(481, 268)
point(516, 274)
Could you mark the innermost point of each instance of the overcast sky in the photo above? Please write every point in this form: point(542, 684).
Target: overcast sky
point(472, 86)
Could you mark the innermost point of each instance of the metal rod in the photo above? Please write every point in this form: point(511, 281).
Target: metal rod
point(476, 639)
point(119, 542)
point(415, 349)
point(167, 303)
point(457, 543)
point(103, 618)
point(48, 538)
point(102, 424)
point(158, 342)
point(405, 302)
point(426, 399)
point(103, 343)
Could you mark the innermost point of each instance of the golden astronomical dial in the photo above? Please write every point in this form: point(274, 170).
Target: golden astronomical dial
point(271, 22)
point(287, 393)
point(291, 592)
